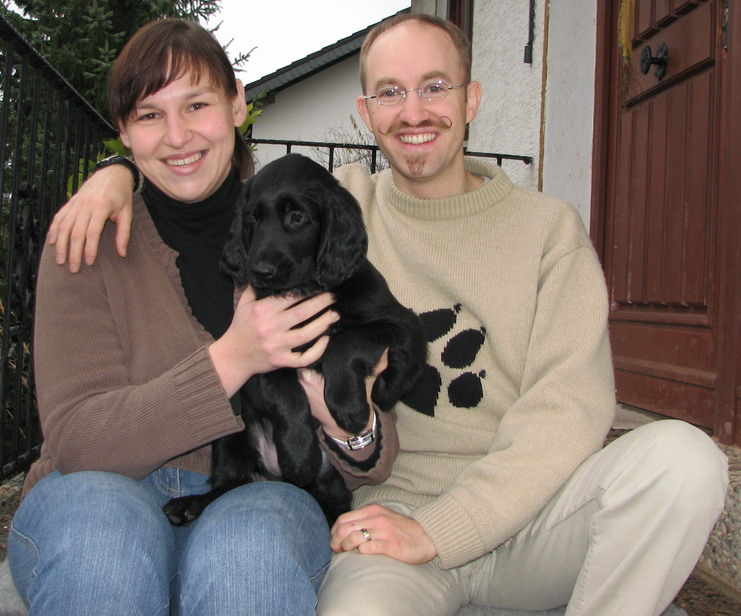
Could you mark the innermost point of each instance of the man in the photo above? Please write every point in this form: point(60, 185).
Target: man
point(502, 494)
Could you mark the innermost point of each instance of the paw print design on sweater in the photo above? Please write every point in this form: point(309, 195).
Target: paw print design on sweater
point(459, 352)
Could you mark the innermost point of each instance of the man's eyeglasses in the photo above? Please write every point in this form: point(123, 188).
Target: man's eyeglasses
point(435, 91)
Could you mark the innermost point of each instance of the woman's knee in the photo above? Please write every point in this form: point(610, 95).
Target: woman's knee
point(261, 522)
point(261, 519)
point(264, 510)
point(264, 543)
point(90, 530)
point(88, 507)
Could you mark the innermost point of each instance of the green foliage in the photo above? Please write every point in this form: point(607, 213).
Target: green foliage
point(81, 38)
point(253, 112)
point(113, 146)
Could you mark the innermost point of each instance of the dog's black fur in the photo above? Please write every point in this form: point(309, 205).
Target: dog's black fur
point(298, 231)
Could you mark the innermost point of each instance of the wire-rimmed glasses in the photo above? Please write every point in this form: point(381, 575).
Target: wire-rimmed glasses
point(434, 91)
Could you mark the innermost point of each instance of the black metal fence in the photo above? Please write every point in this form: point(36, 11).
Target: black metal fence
point(369, 154)
point(49, 138)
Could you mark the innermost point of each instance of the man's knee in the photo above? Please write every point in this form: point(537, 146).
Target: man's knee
point(683, 459)
point(377, 585)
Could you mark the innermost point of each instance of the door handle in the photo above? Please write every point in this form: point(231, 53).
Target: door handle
point(661, 59)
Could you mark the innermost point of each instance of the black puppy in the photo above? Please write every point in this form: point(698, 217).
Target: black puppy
point(298, 231)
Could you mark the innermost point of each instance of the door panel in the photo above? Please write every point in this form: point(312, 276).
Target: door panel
point(661, 216)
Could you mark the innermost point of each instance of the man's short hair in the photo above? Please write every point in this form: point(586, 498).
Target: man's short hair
point(459, 38)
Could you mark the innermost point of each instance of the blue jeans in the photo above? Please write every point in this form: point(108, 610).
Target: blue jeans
point(97, 543)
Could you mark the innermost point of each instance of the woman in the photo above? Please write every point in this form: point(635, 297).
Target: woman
point(136, 363)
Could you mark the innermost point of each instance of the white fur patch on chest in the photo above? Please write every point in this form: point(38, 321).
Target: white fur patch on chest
point(262, 436)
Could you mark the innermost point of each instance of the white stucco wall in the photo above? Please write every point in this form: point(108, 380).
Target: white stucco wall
point(569, 106)
point(508, 120)
point(518, 115)
point(316, 109)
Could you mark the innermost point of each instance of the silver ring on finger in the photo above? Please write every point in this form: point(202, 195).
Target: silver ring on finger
point(366, 534)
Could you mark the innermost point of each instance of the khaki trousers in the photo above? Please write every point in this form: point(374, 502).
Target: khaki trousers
point(619, 538)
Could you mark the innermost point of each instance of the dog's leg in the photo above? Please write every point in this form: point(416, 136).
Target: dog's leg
point(406, 359)
point(230, 469)
point(350, 358)
point(235, 460)
point(330, 492)
point(286, 406)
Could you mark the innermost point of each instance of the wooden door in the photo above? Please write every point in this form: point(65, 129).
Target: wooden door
point(659, 219)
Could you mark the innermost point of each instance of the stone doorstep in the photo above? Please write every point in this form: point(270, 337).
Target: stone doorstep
point(720, 562)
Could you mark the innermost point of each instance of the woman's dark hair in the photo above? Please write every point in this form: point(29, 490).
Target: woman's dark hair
point(158, 54)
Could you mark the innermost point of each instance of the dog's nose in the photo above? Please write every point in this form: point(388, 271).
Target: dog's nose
point(264, 270)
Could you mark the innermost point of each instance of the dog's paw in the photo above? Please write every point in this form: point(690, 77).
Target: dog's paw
point(182, 511)
point(351, 417)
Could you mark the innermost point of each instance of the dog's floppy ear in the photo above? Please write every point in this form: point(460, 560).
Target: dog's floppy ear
point(344, 241)
point(234, 255)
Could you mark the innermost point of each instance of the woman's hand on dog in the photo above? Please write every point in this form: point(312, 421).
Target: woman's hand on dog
point(261, 337)
point(76, 229)
point(387, 532)
point(313, 384)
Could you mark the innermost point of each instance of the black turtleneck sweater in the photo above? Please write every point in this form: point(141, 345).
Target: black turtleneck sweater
point(197, 232)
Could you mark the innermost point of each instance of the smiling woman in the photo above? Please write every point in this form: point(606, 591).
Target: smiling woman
point(163, 97)
point(183, 136)
point(137, 364)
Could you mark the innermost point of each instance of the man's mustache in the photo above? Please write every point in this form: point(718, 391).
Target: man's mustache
point(441, 123)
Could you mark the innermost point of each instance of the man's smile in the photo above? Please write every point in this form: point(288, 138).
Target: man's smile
point(417, 139)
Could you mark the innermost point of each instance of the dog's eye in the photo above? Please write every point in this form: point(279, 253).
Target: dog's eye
point(250, 218)
point(296, 218)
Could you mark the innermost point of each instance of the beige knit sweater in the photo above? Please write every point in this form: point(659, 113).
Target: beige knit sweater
point(519, 389)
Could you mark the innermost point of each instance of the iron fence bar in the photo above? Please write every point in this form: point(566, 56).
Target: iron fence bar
point(23, 298)
point(48, 133)
point(33, 133)
point(67, 158)
point(15, 305)
point(44, 213)
point(290, 143)
point(57, 158)
point(31, 239)
point(5, 117)
point(4, 124)
point(11, 332)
